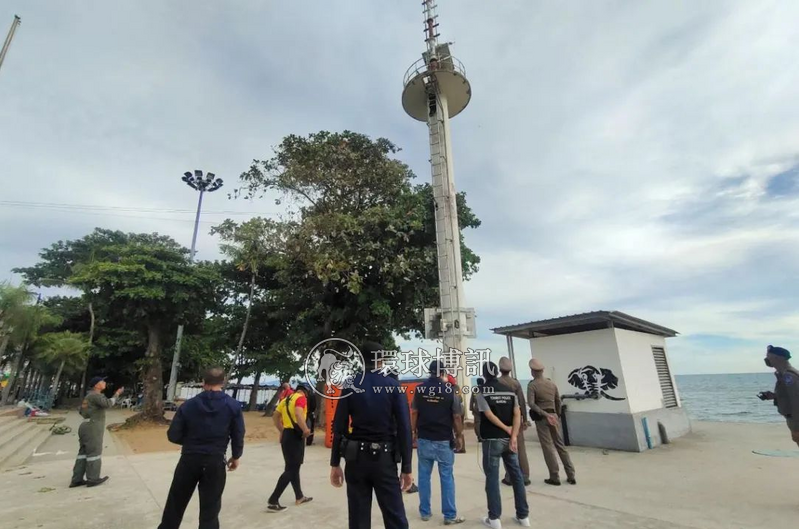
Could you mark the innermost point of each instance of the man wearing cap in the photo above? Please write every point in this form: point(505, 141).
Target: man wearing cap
point(90, 435)
point(500, 422)
point(544, 401)
point(436, 423)
point(290, 420)
point(204, 425)
point(786, 391)
point(505, 367)
point(380, 438)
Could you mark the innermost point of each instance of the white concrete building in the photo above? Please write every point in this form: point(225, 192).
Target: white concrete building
point(612, 371)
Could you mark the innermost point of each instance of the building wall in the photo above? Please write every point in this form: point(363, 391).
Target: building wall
point(562, 355)
point(640, 373)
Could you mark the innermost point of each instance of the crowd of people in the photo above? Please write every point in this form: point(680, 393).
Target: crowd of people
point(374, 433)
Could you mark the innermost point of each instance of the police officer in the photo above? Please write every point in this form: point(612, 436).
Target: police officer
point(437, 425)
point(786, 391)
point(90, 435)
point(505, 367)
point(544, 401)
point(371, 451)
point(204, 425)
point(500, 422)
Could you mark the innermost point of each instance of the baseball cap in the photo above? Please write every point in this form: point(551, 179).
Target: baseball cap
point(96, 380)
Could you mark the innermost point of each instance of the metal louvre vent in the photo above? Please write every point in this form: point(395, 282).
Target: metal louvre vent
point(664, 376)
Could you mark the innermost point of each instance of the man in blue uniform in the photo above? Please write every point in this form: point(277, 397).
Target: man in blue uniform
point(203, 425)
point(371, 451)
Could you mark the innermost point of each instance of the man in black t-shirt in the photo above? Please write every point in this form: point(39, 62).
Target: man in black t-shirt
point(500, 420)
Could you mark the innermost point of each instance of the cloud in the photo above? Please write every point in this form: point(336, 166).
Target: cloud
point(636, 157)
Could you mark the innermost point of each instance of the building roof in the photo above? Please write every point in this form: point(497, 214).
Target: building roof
point(589, 321)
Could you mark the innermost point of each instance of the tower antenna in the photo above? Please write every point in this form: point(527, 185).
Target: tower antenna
point(14, 25)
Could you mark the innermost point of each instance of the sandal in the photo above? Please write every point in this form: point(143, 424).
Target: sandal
point(304, 499)
point(275, 507)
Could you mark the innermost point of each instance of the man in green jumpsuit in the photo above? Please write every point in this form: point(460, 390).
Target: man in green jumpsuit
point(90, 435)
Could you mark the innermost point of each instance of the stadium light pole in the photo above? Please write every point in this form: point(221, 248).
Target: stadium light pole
point(204, 184)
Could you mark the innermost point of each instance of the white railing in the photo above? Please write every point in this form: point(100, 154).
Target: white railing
point(443, 64)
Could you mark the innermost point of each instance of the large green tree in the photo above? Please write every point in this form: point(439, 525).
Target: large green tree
point(361, 256)
point(150, 281)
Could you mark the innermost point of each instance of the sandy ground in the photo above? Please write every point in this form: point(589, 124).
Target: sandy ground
point(710, 479)
point(152, 438)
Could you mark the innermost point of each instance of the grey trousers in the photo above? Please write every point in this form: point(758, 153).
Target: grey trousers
point(89, 462)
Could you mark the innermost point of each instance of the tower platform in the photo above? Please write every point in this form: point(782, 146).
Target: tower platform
point(450, 75)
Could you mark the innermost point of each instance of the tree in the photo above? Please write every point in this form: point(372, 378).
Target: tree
point(66, 350)
point(14, 313)
point(361, 259)
point(250, 245)
point(150, 281)
point(63, 259)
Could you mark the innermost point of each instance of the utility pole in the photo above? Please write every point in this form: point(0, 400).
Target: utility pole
point(207, 184)
point(7, 43)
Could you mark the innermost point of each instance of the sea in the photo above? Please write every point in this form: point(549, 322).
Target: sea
point(726, 398)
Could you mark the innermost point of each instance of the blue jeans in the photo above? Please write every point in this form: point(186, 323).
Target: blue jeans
point(429, 452)
point(493, 451)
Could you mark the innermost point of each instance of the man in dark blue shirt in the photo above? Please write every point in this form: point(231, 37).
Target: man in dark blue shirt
point(203, 425)
point(374, 446)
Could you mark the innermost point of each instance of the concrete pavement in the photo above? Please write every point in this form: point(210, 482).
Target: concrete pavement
point(708, 480)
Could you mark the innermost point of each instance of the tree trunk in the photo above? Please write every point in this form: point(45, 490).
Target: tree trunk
point(58, 379)
point(153, 407)
point(254, 392)
point(12, 378)
point(26, 373)
point(246, 318)
point(4, 344)
point(88, 356)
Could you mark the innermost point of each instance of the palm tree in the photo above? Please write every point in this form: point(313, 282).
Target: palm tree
point(15, 303)
point(67, 350)
point(249, 244)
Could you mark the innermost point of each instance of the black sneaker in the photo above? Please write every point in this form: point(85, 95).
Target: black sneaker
point(571, 481)
point(506, 481)
point(555, 482)
point(97, 482)
point(275, 507)
point(413, 490)
point(527, 482)
point(77, 484)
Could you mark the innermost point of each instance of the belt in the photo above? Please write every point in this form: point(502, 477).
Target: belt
point(550, 411)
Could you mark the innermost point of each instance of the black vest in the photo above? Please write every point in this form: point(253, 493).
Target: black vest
point(501, 402)
point(434, 400)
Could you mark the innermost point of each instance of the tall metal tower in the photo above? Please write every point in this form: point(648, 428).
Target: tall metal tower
point(436, 89)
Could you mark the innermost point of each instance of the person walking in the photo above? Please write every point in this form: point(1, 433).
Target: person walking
point(437, 426)
point(544, 401)
point(500, 421)
point(505, 368)
point(380, 438)
point(203, 426)
point(290, 420)
point(88, 463)
point(786, 390)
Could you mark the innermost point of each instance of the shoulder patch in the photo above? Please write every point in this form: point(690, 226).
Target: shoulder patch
point(789, 379)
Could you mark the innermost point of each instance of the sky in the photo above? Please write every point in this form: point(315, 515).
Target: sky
point(622, 155)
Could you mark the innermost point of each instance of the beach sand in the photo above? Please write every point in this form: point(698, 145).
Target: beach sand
point(710, 479)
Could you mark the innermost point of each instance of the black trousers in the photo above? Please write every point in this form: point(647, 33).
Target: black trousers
point(293, 448)
point(208, 474)
point(378, 474)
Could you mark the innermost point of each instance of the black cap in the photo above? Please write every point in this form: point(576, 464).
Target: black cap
point(779, 351)
point(95, 380)
point(305, 387)
point(490, 371)
point(437, 368)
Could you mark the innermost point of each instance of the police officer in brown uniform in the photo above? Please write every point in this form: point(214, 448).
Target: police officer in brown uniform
point(786, 391)
point(544, 401)
point(505, 367)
